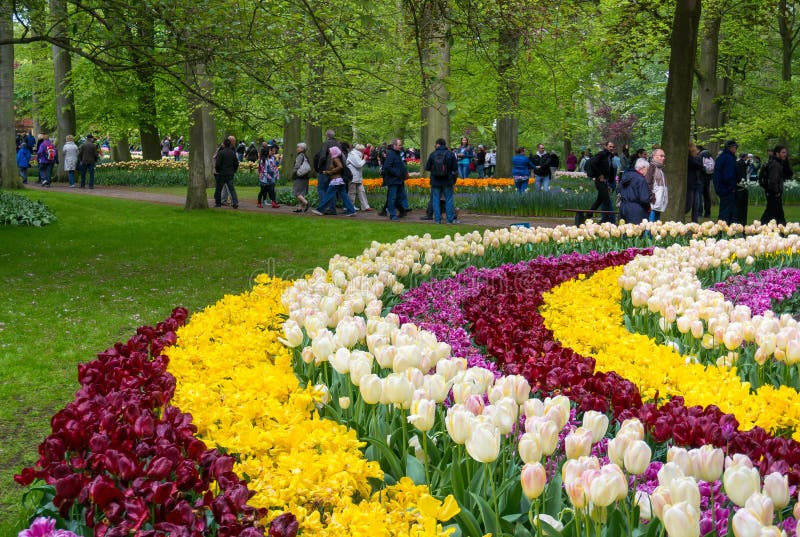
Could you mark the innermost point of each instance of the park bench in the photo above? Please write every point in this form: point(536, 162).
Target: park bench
point(581, 215)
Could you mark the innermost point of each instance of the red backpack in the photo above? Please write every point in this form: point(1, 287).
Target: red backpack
point(51, 152)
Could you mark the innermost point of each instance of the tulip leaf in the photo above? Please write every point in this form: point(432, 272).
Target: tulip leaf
point(415, 470)
point(387, 456)
point(509, 495)
point(456, 475)
point(487, 514)
point(513, 517)
point(553, 499)
point(469, 523)
point(521, 531)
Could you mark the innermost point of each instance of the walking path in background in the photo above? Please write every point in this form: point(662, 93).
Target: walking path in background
point(249, 205)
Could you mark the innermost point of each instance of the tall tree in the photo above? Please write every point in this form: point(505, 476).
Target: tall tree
point(8, 168)
point(678, 103)
point(62, 71)
point(710, 87)
point(431, 26)
point(507, 100)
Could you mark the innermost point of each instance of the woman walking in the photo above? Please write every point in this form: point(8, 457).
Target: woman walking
point(267, 176)
point(464, 153)
point(300, 175)
point(521, 170)
point(355, 161)
point(336, 186)
point(70, 152)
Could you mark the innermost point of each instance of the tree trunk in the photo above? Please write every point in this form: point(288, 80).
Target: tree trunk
point(677, 104)
point(210, 142)
point(121, 152)
point(146, 90)
point(434, 34)
point(507, 102)
point(9, 178)
point(710, 88)
point(786, 16)
point(313, 139)
point(62, 71)
point(196, 197)
point(291, 137)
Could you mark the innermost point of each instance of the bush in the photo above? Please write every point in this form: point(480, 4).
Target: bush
point(18, 210)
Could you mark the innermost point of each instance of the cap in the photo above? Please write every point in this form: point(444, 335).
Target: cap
point(731, 143)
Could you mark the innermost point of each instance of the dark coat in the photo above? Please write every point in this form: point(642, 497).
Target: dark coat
point(541, 164)
point(694, 176)
point(602, 164)
point(725, 173)
point(451, 167)
point(87, 152)
point(634, 197)
point(394, 168)
point(774, 177)
point(226, 162)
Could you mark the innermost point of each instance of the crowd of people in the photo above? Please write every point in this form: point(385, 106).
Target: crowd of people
point(642, 192)
point(81, 156)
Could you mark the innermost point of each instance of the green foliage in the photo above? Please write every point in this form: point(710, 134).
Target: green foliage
point(18, 210)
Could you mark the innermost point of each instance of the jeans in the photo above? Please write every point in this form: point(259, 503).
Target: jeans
point(396, 195)
point(654, 216)
point(71, 174)
point(225, 181)
point(706, 196)
point(727, 207)
point(694, 200)
point(89, 167)
point(333, 192)
point(542, 182)
point(322, 185)
point(489, 170)
point(463, 169)
point(522, 184)
point(45, 169)
point(603, 201)
point(449, 207)
point(23, 172)
point(480, 169)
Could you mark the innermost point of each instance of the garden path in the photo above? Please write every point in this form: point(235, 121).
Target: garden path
point(479, 220)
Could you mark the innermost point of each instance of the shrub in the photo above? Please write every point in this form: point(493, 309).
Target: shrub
point(18, 210)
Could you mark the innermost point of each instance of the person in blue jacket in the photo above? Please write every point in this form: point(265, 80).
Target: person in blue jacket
point(521, 167)
point(634, 194)
point(24, 161)
point(725, 178)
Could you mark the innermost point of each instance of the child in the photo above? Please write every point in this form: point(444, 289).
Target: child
point(267, 175)
point(24, 161)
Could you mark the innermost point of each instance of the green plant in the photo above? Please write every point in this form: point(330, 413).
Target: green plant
point(18, 210)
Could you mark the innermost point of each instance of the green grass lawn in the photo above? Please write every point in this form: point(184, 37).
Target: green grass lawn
point(72, 289)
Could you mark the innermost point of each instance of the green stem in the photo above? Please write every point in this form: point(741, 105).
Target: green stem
point(487, 468)
point(425, 462)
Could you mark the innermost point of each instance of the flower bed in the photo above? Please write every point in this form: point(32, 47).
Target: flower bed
point(501, 448)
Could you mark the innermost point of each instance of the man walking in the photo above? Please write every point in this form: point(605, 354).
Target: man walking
point(87, 158)
point(226, 165)
point(541, 170)
point(394, 178)
point(443, 168)
point(773, 186)
point(725, 176)
point(601, 168)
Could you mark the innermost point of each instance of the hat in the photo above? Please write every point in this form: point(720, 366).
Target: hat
point(89, 135)
point(731, 143)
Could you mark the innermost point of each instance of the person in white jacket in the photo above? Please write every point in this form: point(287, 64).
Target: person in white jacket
point(70, 154)
point(355, 161)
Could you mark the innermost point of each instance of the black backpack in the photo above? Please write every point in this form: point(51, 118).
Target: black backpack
point(590, 167)
point(763, 176)
point(439, 166)
point(347, 173)
point(321, 160)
